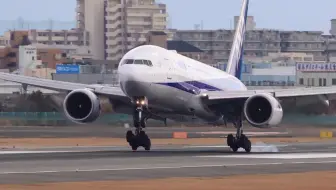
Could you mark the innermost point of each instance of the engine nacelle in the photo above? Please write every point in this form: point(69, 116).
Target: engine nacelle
point(82, 106)
point(263, 110)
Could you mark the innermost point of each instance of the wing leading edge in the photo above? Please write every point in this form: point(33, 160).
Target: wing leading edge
point(328, 92)
point(114, 92)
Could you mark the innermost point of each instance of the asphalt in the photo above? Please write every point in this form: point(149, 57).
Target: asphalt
point(119, 163)
point(69, 164)
point(153, 132)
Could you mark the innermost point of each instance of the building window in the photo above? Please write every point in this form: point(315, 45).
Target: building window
point(324, 82)
point(333, 81)
point(320, 82)
point(301, 81)
point(33, 58)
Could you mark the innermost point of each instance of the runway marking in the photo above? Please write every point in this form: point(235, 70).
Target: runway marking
point(246, 133)
point(277, 156)
point(35, 152)
point(163, 167)
point(225, 146)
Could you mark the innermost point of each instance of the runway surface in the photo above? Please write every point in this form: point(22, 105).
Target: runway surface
point(119, 163)
point(154, 132)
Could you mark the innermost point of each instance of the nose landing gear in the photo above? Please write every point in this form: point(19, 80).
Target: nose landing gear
point(140, 138)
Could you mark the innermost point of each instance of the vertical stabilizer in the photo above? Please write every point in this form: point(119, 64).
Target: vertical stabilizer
point(235, 62)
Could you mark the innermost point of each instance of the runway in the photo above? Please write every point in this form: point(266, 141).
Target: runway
point(119, 132)
point(119, 163)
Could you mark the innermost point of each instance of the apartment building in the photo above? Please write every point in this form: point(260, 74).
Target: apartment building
point(48, 54)
point(258, 43)
point(50, 37)
point(59, 37)
point(128, 23)
point(250, 22)
point(91, 18)
point(116, 26)
point(161, 39)
point(3, 41)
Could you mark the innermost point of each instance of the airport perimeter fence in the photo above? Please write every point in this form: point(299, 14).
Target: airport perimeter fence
point(54, 119)
point(58, 119)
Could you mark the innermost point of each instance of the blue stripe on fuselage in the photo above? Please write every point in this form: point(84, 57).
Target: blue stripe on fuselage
point(193, 87)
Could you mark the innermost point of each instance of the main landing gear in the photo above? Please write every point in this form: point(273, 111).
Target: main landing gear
point(240, 140)
point(140, 138)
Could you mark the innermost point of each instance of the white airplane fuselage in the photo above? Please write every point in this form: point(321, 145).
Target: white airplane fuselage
point(172, 82)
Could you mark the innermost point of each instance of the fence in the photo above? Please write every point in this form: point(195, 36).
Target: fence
point(54, 119)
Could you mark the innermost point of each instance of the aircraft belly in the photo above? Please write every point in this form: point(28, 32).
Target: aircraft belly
point(158, 95)
point(169, 97)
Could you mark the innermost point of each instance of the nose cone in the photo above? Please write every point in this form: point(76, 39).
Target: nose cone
point(126, 72)
point(130, 81)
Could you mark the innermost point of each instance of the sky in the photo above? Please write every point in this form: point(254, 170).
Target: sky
point(184, 14)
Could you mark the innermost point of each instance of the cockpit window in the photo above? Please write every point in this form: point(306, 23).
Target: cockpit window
point(147, 62)
point(129, 61)
point(138, 62)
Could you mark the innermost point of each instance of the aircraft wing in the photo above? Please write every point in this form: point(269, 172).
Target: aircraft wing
point(301, 93)
point(113, 92)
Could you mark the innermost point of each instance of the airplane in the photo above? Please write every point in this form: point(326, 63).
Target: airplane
point(156, 82)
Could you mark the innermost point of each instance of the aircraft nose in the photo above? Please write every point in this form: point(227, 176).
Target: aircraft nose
point(130, 82)
point(126, 72)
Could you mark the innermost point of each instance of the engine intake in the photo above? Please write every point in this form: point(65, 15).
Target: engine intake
point(82, 106)
point(263, 110)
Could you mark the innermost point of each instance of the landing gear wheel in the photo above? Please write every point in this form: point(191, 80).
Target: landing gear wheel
point(230, 140)
point(234, 148)
point(247, 145)
point(145, 141)
point(239, 140)
point(129, 136)
point(134, 146)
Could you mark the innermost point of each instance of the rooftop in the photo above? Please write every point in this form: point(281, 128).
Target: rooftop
point(181, 46)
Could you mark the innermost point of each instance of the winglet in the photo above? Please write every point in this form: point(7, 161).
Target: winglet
point(236, 55)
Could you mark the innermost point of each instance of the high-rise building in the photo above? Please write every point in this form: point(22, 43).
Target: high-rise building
point(128, 22)
point(91, 17)
point(116, 26)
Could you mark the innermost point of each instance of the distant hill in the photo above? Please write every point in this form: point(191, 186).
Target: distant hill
point(6, 25)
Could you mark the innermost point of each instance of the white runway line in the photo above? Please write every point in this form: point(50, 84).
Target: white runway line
point(277, 156)
point(163, 167)
point(34, 152)
point(246, 133)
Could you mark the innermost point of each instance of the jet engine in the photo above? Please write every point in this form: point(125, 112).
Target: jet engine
point(82, 106)
point(263, 110)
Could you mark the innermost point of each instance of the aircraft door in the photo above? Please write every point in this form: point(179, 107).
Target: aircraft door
point(169, 68)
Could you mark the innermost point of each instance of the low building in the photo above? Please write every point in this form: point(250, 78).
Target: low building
point(49, 37)
point(159, 38)
point(316, 74)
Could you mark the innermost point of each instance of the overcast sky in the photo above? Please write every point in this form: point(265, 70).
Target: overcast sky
point(276, 14)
